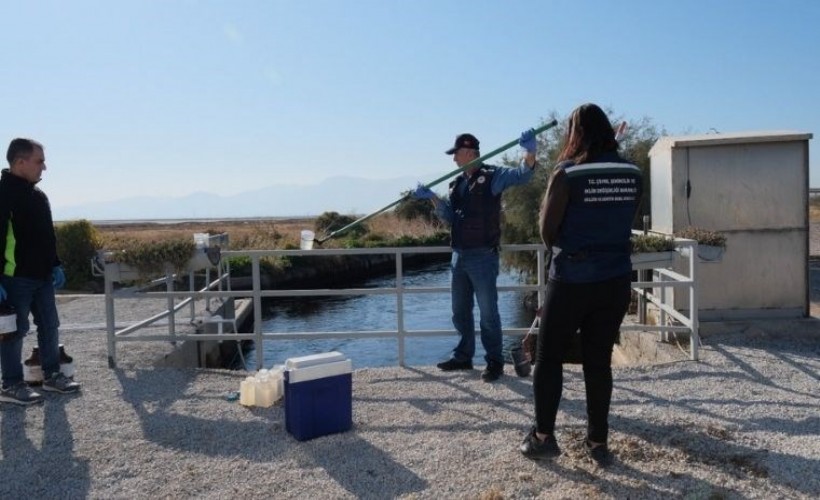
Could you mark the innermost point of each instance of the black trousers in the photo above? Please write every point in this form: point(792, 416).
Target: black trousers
point(596, 310)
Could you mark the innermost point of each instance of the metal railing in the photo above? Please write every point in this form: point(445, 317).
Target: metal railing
point(656, 291)
point(664, 277)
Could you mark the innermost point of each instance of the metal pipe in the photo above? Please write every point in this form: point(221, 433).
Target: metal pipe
point(472, 163)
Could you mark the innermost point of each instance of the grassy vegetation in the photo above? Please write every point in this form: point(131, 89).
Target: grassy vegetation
point(261, 234)
point(147, 245)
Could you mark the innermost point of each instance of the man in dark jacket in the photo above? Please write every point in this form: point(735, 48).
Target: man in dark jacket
point(30, 273)
point(473, 211)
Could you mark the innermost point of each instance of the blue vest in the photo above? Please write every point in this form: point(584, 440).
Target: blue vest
point(477, 221)
point(593, 240)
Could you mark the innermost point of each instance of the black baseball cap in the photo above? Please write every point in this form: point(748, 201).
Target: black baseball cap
point(464, 141)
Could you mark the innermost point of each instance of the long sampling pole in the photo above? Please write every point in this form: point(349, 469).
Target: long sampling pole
point(476, 161)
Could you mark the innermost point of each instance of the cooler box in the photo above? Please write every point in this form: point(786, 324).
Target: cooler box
point(318, 395)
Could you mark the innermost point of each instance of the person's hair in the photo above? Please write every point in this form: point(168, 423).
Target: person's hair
point(21, 148)
point(589, 134)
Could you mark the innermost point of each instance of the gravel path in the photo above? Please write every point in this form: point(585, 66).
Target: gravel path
point(743, 422)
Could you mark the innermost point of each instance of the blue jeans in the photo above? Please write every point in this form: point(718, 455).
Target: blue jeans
point(35, 297)
point(475, 272)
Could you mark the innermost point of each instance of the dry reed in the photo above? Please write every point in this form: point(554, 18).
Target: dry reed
point(254, 234)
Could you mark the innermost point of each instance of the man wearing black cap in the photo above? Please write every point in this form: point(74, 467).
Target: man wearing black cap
point(473, 211)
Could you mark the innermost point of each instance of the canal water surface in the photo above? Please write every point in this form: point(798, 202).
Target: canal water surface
point(423, 311)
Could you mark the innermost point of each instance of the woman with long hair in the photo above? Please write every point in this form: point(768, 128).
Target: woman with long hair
point(586, 218)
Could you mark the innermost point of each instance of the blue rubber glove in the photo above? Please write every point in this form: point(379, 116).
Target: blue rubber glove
point(527, 140)
point(422, 192)
point(3, 294)
point(58, 276)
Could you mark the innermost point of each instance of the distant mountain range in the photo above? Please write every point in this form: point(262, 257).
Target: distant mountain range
point(346, 195)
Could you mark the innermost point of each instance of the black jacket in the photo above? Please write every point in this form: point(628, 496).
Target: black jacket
point(28, 245)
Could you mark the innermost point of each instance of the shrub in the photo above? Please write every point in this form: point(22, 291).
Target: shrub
point(151, 257)
point(242, 266)
point(333, 221)
point(703, 236)
point(441, 238)
point(644, 243)
point(77, 243)
point(410, 209)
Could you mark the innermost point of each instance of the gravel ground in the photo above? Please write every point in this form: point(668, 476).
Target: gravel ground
point(744, 422)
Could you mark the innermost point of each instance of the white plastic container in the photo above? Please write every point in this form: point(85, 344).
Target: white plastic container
point(277, 381)
point(264, 392)
point(278, 375)
point(247, 391)
point(263, 389)
point(33, 371)
point(307, 239)
point(201, 240)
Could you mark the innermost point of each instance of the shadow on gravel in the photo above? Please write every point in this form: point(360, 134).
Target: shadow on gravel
point(41, 470)
point(718, 445)
point(715, 447)
point(158, 395)
point(482, 400)
point(361, 468)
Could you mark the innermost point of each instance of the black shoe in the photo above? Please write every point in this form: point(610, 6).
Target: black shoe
point(454, 364)
point(493, 372)
point(598, 453)
point(535, 449)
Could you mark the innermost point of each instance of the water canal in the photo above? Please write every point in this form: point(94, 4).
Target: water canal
point(378, 312)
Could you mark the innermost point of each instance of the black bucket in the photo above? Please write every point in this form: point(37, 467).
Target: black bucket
point(520, 362)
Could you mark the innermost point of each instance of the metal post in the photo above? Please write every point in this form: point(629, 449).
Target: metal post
point(663, 335)
point(643, 275)
point(191, 289)
point(169, 285)
point(109, 315)
point(694, 338)
point(400, 306)
point(541, 255)
point(257, 312)
point(207, 282)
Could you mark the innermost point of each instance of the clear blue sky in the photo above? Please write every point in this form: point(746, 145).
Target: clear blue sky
point(172, 97)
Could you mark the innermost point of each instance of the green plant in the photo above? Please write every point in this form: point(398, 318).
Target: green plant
point(645, 243)
point(77, 243)
point(410, 209)
point(441, 238)
point(703, 236)
point(150, 258)
point(333, 221)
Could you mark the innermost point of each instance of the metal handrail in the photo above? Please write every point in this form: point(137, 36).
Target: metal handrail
point(663, 278)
